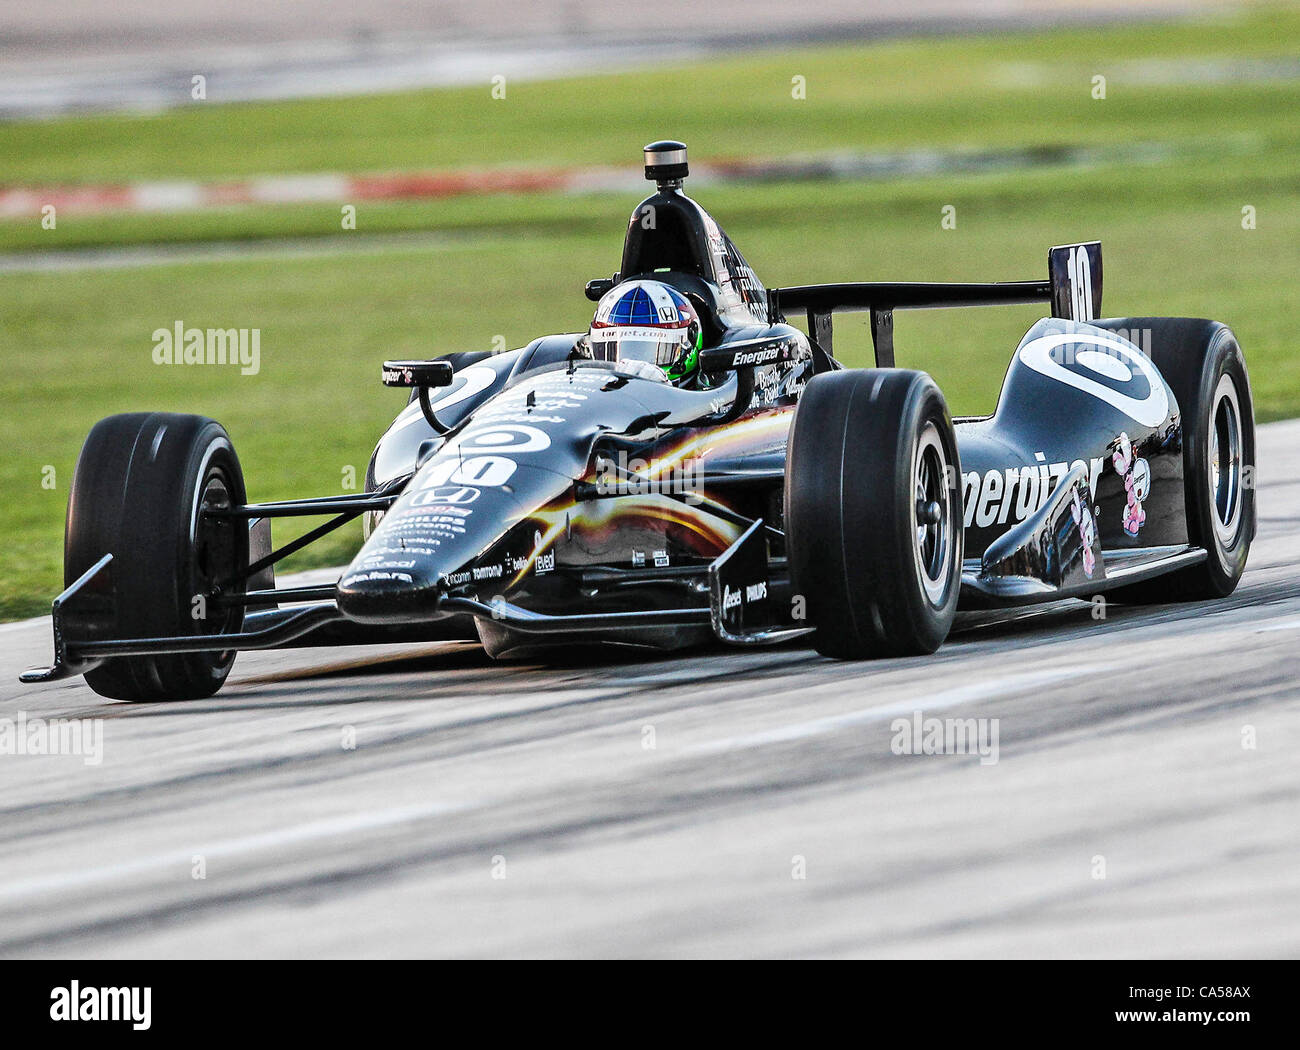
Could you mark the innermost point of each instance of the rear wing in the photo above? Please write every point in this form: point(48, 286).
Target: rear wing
point(1073, 287)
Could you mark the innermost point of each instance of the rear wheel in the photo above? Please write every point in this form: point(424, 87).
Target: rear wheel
point(873, 514)
point(138, 492)
point(1205, 368)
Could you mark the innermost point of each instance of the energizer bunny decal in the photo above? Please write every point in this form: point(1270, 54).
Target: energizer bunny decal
point(1082, 513)
point(1137, 483)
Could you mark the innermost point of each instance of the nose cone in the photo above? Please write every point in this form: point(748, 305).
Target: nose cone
point(436, 538)
point(382, 592)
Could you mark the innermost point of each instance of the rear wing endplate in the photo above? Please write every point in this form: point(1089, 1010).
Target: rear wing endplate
point(1073, 287)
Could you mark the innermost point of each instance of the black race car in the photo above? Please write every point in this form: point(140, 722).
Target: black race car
point(752, 490)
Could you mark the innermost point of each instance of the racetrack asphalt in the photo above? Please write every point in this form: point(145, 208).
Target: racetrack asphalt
point(517, 809)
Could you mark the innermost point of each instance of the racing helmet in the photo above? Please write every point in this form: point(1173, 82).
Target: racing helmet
point(648, 322)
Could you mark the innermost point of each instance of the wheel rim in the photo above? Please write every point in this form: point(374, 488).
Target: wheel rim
point(214, 548)
point(1225, 461)
point(932, 517)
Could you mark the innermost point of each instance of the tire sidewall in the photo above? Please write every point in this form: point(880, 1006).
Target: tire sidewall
point(930, 621)
point(1225, 562)
point(135, 494)
point(851, 512)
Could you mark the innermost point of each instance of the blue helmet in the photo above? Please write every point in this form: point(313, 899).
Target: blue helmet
point(647, 321)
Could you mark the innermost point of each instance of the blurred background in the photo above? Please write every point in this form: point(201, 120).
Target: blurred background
point(389, 178)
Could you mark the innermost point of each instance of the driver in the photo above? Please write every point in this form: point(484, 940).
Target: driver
point(647, 328)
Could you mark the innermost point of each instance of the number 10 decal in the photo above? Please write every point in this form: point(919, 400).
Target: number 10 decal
point(1076, 280)
point(1081, 284)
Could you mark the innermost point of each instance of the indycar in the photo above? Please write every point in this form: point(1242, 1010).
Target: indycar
point(543, 497)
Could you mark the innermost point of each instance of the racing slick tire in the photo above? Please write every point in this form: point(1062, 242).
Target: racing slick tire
point(873, 512)
point(137, 489)
point(1206, 370)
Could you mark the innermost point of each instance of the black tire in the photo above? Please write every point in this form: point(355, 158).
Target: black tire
point(135, 494)
point(1205, 368)
point(877, 579)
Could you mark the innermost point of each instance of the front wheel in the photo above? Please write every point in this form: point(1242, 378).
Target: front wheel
point(139, 492)
point(873, 512)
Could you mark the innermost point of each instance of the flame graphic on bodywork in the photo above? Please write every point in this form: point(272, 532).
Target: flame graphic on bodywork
point(751, 434)
point(707, 535)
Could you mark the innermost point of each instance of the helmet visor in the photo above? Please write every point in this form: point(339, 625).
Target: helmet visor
point(666, 348)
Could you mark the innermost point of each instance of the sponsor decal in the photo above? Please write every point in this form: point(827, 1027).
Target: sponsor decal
point(765, 356)
point(489, 468)
point(416, 519)
point(544, 562)
point(638, 559)
point(769, 386)
point(661, 559)
point(1011, 494)
point(375, 575)
point(745, 594)
point(603, 333)
point(457, 494)
point(381, 553)
point(498, 437)
point(1110, 358)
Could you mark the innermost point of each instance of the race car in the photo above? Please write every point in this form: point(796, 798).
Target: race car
point(690, 468)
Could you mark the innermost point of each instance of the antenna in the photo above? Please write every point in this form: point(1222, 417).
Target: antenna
point(665, 164)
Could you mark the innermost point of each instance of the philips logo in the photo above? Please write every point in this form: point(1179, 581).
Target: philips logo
point(749, 593)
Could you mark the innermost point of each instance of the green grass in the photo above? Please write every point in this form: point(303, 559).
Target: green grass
point(979, 91)
point(75, 346)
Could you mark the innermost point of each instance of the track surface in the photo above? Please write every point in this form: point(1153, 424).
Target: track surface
point(1119, 739)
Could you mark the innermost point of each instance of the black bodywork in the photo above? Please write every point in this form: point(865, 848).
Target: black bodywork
point(541, 497)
